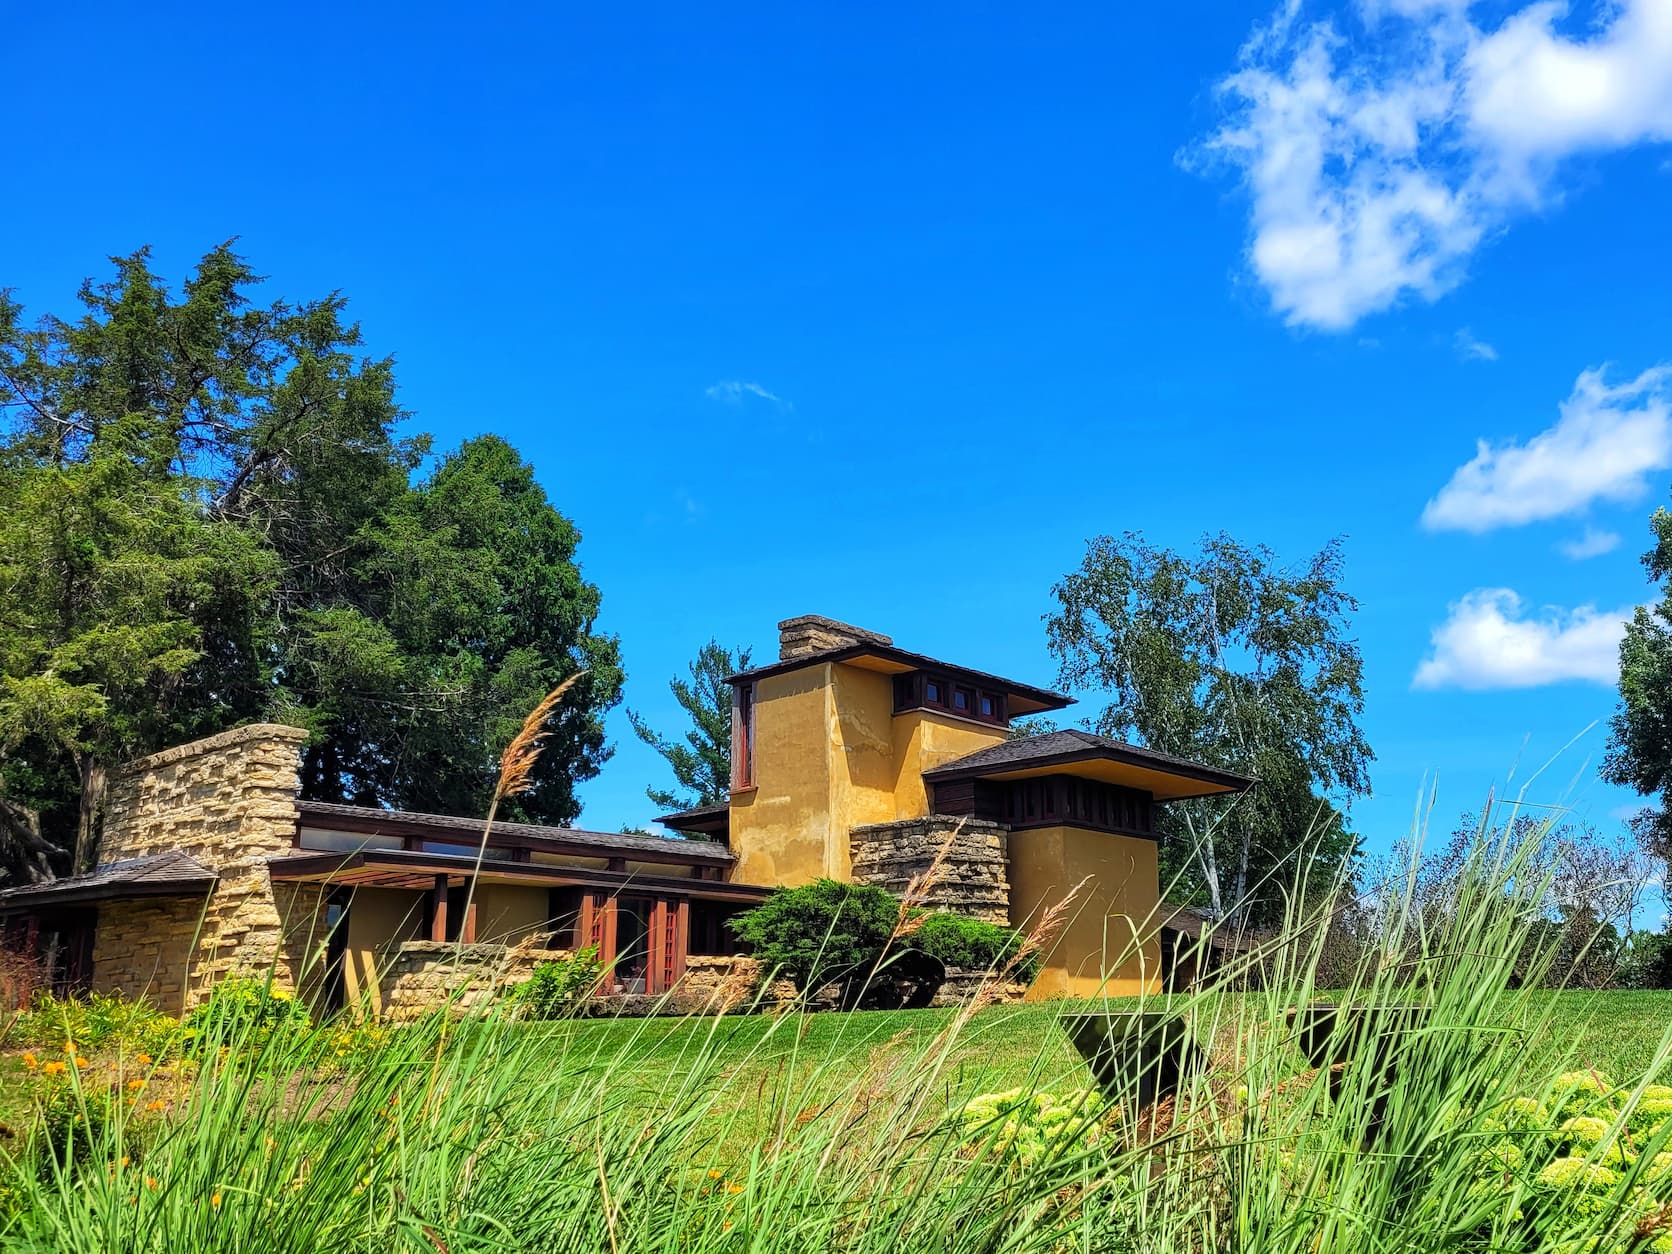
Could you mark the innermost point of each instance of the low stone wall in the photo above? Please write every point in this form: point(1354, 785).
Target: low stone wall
point(423, 975)
point(971, 879)
point(143, 948)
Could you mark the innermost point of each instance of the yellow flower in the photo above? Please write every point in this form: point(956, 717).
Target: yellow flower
point(53, 1068)
point(69, 1047)
point(716, 1175)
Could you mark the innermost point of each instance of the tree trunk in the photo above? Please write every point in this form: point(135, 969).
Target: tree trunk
point(92, 774)
point(1206, 855)
point(30, 857)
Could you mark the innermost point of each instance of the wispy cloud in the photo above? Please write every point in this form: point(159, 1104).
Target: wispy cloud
point(1590, 543)
point(1602, 448)
point(736, 391)
point(1469, 348)
point(1377, 157)
point(1490, 639)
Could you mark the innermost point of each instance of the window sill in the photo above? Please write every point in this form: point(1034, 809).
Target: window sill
point(745, 790)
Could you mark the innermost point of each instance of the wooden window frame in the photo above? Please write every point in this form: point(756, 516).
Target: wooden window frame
point(744, 735)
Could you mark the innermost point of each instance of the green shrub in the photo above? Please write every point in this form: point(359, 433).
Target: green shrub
point(555, 989)
point(95, 1021)
point(241, 1010)
point(1646, 961)
point(72, 1123)
point(971, 944)
point(1024, 1128)
point(821, 933)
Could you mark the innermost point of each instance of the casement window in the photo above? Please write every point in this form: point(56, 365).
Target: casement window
point(743, 736)
point(924, 690)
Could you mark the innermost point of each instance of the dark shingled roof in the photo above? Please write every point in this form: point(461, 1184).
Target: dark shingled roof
point(1064, 748)
point(359, 818)
point(171, 874)
point(1038, 699)
point(698, 818)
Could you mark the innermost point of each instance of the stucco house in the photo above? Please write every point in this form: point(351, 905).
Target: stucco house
point(852, 759)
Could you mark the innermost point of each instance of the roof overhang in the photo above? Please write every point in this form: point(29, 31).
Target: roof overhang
point(709, 821)
point(414, 827)
point(408, 869)
point(172, 874)
point(1024, 698)
point(1129, 768)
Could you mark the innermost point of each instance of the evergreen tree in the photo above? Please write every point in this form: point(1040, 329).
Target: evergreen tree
point(702, 764)
point(209, 518)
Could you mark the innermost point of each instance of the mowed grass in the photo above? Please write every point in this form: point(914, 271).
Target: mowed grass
point(818, 1057)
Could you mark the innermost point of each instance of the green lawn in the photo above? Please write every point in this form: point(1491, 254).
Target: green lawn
point(1003, 1047)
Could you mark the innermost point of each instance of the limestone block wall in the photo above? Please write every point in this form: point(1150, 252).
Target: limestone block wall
point(971, 879)
point(419, 976)
point(230, 802)
point(144, 948)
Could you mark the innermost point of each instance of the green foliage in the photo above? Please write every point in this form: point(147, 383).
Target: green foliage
point(971, 944)
point(1639, 748)
point(1230, 659)
point(829, 932)
point(247, 1010)
point(108, 1021)
point(207, 517)
point(1025, 1128)
point(556, 989)
point(1646, 962)
point(820, 933)
point(702, 765)
point(72, 1125)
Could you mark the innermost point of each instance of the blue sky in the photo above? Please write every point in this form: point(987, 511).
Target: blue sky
point(793, 307)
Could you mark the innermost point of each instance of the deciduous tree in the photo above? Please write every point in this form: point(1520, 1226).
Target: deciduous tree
point(1230, 658)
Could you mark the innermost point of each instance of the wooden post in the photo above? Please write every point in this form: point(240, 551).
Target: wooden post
point(467, 926)
point(654, 943)
point(438, 909)
point(681, 922)
point(606, 934)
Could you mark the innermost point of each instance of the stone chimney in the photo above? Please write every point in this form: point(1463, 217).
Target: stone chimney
point(810, 634)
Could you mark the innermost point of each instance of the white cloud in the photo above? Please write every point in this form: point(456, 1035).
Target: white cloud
point(1376, 165)
point(736, 391)
point(1602, 448)
point(1470, 348)
point(1591, 543)
point(1490, 640)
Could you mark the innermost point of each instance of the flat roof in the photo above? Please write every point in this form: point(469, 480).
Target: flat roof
point(412, 869)
point(1086, 754)
point(369, 820)
point(1024, 698)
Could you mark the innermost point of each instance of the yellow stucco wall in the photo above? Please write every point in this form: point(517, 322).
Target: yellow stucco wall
point(923, 740)
point(780, 829)
point(830, 755)
point(507, 913)
point(377, 918)
point(1098, 952)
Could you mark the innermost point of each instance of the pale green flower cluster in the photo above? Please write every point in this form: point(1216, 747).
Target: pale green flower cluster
point(1025, 1126)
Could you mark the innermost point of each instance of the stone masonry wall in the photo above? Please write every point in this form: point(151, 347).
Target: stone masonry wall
point(230, 802)
point(143, 948)
point(419, 976)
point(971, 880)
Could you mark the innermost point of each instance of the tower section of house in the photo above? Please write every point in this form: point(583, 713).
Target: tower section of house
point(856, 760)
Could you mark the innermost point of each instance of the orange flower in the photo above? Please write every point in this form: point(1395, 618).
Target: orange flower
point(151, 1182)
point(159, 1104)
point(53, 1068)
point(30, 1061)
point(81, 1062)
point(69, 1047)
point(215, 1200)
point(143, 1060)
point(734, 1188)
point(136, 1084)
